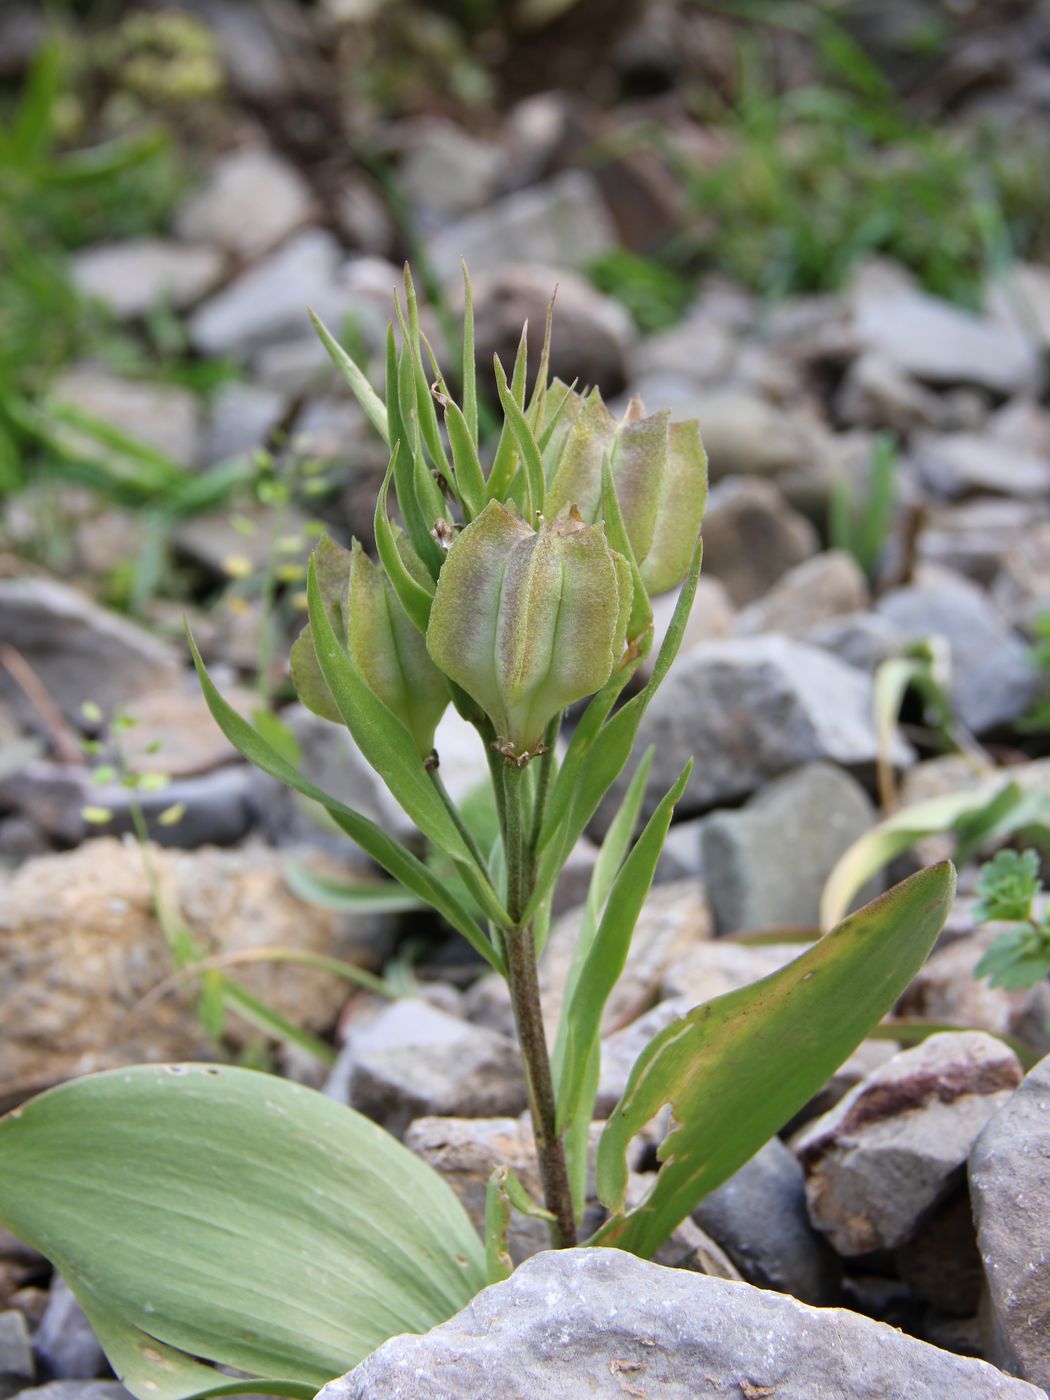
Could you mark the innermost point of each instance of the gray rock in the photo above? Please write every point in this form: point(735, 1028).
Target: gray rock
point(876, 393)
point(78, 650)
point(759, 1218)
point(416, 1061)
point(940, 344)
point(241, 418)
point(720, 966)
point(896, 1144)
point(65, 1343)
point(992, 677)
point(561, 223)
point(1022, 586)
point(973, 537)
point(444, 171)
point(132, 276)
point(220, 807)
point(601, 1322)
point(701, 347)
point(863, 640)
point(751, 709)
point(269, 300)
point(953, 465)
point(162, 416)
point(681, 856)
point(255, 43)
point(1020, 298)
point(768, 863)
point(16, 1354)
point(77, 1390)
point(828, 586)
point(747, 435)
point(1010, 1188)
point(592, 337)
point(252, 201)
point(710, 617)
point(752, 537)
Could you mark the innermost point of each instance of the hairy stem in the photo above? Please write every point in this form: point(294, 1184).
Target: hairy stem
point(524, 987)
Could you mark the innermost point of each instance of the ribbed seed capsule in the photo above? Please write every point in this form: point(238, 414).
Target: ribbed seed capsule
point(528, 621)
point(659, 469)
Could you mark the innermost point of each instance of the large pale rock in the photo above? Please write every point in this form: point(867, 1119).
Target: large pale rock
point(1022, 587)
point(269, 300)
point(828, 586)
point(974, 537)
point(954, 465)
point(768, 862)
point(940, 344)
point(162, 416)
point(80, 946)
point(77, 650)
point(599, 1322)
point(992, 678)
point(720, 966)
point(1010, 1187)
point(896, 1144)
point(750, 709)
point(132, 276)
point(563, 223)
point(752, 537)
point(251, 201)
point(417, 1061)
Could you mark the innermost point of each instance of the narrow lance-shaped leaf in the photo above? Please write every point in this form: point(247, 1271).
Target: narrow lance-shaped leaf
point(287, 1247)
point(415, 589)
point(526, 443)
point(428, 423)
point(470, 384)
point(390, 854)
point(505, 462)
point(366, 396)
point(607, 955)
point(469, 477)
point(736, 1069)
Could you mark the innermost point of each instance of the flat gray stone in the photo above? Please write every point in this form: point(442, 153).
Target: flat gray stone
point(17, 1368)
point(974, 537)
point(162, 416)
point(896, 1144)
point(563, 223)
point(65, 1343)
point(77, 1390)
point(1010, 1189)
point(241, 418)
point(759, 1218)
point(269, 301)
point(416, 1061)
point(993, 680)
point(78, 650)
point(954, 465)
point(134, 275)
point(750, 709)
point(251, 201)
point(767, 864)
point(599, 1322)
point(828, 586)
point(752, 536)
point(940, 344)
point(864, 640)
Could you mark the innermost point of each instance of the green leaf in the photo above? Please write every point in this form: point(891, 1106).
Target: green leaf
point(396, 859)
point(737, 1068)
point(529, 453)
point(470, 479)
point(428, 423)
point(504, 1194)
point(414, 597)
point(1007, 886)
point(366, 396)
point(606, 958)
point(993, 808)
point(294, 1235)
point(640, 625)
point(505, 462)
point(470, 384)
point(353, 896)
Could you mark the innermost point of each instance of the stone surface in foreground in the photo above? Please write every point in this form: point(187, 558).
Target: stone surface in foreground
point(598, 1322)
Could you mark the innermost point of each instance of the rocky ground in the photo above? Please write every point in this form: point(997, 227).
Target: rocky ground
point(915, 1190)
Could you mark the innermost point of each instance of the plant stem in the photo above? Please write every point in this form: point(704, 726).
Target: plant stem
point(524, 987)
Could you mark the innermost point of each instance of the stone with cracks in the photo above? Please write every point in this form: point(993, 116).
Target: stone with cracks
point(1010, 1188)
point(601, 1323)
point(896, 1145)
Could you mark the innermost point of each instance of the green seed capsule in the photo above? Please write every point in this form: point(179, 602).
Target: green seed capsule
point(528, 621)
point(659, 469)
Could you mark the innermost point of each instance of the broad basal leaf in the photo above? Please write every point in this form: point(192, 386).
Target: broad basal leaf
point(234, 1217)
